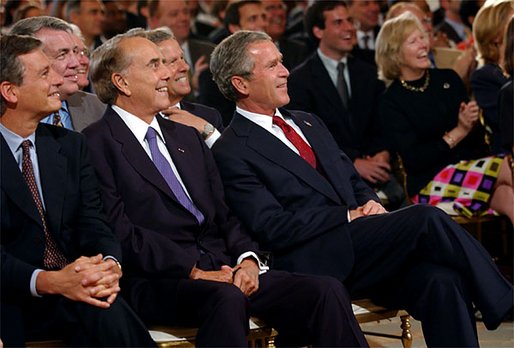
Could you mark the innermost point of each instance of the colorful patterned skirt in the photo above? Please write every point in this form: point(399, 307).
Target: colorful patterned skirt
point(468, 184)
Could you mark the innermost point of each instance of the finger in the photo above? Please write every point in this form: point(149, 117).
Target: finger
point(112, 298)
point(96, 302)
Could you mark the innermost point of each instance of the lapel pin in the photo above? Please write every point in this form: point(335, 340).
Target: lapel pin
point(180, 150)
point(446, 85)
point(307, 123)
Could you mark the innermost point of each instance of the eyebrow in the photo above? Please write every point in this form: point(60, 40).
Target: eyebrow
point(153, 61)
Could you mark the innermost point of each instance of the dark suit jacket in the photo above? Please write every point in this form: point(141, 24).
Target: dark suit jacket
point(159, 237)
point(356, 129)
point(290, 208)
point(506, 114)
point(85, 108)
point(209, 114)
point(73, 208)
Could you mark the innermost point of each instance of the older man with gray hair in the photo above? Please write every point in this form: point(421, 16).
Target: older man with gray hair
point(79, 109)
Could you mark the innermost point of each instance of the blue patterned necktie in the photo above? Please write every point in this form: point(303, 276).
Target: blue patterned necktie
point(164, 168)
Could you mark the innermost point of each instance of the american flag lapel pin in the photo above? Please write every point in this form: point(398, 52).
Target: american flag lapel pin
point(307, 123)
point(180, 150)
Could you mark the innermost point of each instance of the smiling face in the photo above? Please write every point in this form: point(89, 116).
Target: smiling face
point(366, 13)
point(252, 17)
point(338, 37)
point(266, 88)
point(144, 84)
point(61, 49)
point(83, 58)
point(39, 91)
point(414, 56)
point(277, 17)
point(174, 15)
point(178, 84)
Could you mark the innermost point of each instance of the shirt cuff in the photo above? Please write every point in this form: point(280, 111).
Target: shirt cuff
point(262, 267)
point(33, 279)
point(212, 139)
point(348, 216)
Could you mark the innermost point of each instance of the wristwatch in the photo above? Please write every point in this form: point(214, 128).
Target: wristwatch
point(208, 129)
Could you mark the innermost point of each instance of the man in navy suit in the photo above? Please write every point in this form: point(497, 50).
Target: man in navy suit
point(354, 124)
point(60, 265)
point(303, 200)
point(190, 262)
point(206, 120)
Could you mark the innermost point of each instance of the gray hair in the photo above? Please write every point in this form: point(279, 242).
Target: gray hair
point(230, 58)
point(30, 26)
point(160, 34)
point(11, 68)
point(108, 59)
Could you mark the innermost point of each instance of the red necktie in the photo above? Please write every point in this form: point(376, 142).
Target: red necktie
point(53, 258)
point(303, 148)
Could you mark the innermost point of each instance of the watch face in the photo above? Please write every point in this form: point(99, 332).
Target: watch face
point(208, 128)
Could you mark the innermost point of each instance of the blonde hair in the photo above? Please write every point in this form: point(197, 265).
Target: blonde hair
point(488, 29)
point(393, 34)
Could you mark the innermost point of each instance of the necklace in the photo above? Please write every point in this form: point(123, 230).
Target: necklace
point(417, 89)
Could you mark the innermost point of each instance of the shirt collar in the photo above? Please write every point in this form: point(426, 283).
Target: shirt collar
point(264, 121)
point(13, 140)
point(329, 62)
point(137, 126)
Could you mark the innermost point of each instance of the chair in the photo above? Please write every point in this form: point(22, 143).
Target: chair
point(262, 335)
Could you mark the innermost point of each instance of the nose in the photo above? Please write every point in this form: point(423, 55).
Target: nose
point(164, 72)
point(283, 71)
point(73, 61)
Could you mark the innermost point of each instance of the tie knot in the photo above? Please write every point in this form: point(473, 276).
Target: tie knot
point(279, 121)
point(25, 145)
point(150, 134)
point(340, 67)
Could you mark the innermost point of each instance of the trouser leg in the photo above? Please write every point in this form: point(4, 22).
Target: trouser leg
point(307, 310)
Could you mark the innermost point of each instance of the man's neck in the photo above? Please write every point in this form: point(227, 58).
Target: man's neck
point(332, 54)
point(454, 17)
point(128, 107)
point(19, 124)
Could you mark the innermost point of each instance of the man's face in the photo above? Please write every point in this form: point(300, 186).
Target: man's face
point(277, 17)
point(338, 37)
point(115, 19)
point(146, 78)
point(174, 15)
point(252, 17)
point(90, 18)
point(178, 84)
point(39, 91)
point(61, 49)
point(83, 58)
point(267, 86)
point(365, 13)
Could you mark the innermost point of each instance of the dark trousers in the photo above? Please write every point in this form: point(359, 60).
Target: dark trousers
point(304, 309)
point(82, 324)
point(419, 259)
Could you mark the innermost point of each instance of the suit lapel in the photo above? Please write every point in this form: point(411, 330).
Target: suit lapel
point(14, 185)
point(267, 145)
point(52, 170)
point(135, 154)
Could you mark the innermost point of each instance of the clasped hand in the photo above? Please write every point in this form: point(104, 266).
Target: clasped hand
point(468, 115)
point(369, 208)
point(245, 276)
point(88, 279)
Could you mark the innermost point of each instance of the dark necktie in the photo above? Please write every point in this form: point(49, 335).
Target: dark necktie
point(342, 87)
point(53, 258)
point(167, 173)
point(57, 120)
point(365, 40)
point(303, 148)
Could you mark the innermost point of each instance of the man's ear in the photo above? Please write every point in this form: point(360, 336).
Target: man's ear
point(9, 91)
point(239, 84)
point(232, 28)
point(318, 32)
point(121, 84)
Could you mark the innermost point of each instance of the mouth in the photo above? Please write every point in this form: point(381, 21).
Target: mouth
point(182, 79)
point(55, 95)
point(73, 77)
point(81, 71)
point(163, 90)
point(276, 21)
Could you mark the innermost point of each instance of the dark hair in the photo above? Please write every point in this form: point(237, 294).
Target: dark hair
point(232, 12)
point(11, 68)
point(314, 17)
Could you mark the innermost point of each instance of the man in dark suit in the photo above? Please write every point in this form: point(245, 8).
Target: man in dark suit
point(59, 260)
point(79, 109)
point(176, 16)
point(365, 14)
point(190, 261)
point(206, 120)
point(302, 199)
point(352, 119)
